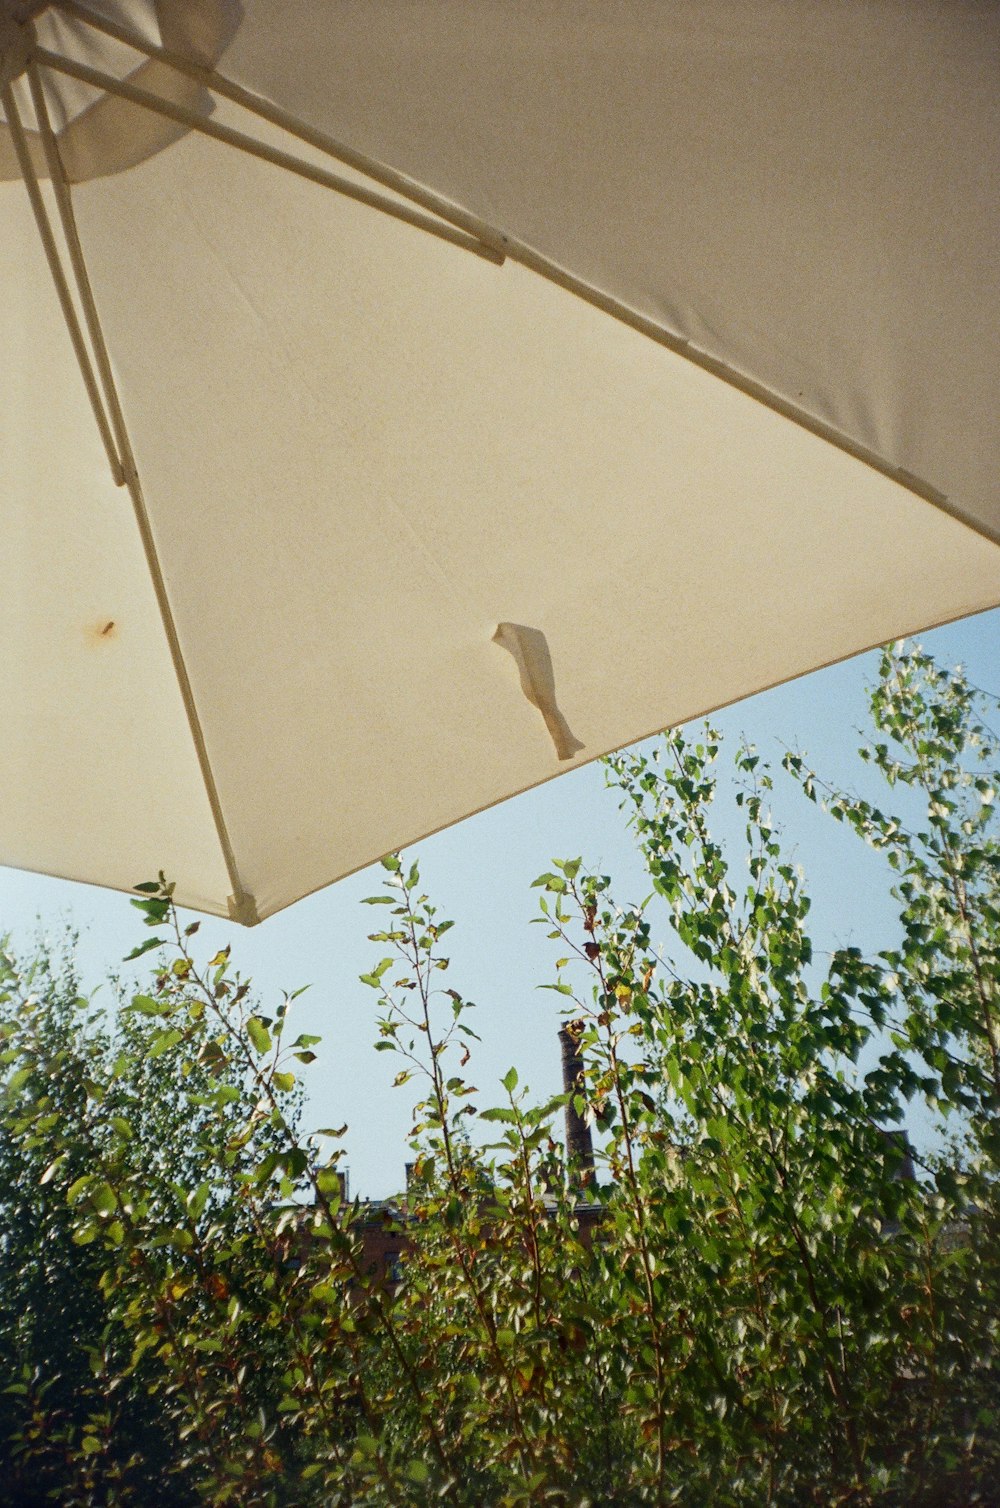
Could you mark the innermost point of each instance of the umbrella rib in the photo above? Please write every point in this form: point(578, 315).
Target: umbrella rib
point(255, 104)
point(64, 203)
point(254, 148)
point(535, 261)
point(526, 256)
point(76, 336)
point(242, 905)
point(490, 242)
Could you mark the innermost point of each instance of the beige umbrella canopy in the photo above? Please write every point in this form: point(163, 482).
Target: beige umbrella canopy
point(405, 402)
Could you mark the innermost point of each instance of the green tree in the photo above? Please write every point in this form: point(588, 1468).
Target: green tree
point(749, 1301)
point(70, 1432)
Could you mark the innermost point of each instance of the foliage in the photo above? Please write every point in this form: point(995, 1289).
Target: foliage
point(749, 1300)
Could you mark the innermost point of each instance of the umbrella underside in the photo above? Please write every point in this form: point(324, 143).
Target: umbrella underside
point(410, 531)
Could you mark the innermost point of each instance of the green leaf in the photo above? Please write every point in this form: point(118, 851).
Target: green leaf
point(78, 1188)
point(147, 1006)
point(102, 1197)
point(196, 1202)
point(258, 1034)
point(374, 979)
point(53, 1168)
point(266, 1166)
point(329, 1183)
point(164, 1042)
point(146, 947)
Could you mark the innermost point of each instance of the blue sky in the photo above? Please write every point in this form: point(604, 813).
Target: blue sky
point(479, 874)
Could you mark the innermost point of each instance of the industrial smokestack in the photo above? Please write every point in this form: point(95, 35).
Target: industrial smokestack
point(579, 1147)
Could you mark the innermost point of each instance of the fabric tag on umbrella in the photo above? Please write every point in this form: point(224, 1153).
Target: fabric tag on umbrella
point(534, 663)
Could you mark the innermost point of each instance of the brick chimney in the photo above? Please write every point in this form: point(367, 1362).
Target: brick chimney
point(579, 1147)
point(899, 1154)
